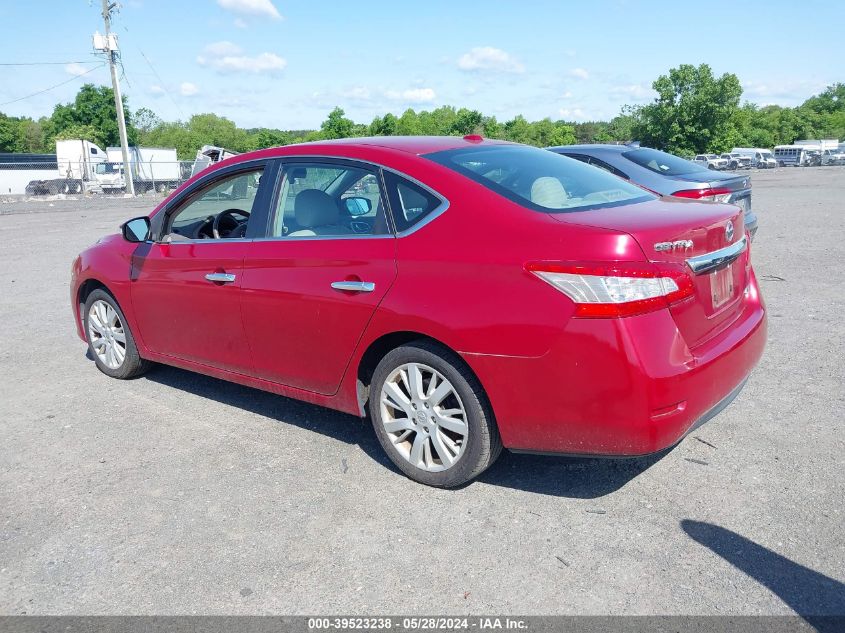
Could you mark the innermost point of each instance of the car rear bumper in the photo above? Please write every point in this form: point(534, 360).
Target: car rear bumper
point(751, 224)
point(620, 387)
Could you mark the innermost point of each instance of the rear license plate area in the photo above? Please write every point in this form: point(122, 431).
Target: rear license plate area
point(722, 286)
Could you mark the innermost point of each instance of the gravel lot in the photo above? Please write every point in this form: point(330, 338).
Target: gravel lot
point(176, 493)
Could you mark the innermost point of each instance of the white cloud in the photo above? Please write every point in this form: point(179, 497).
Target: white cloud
point(412, 95)
point(76, 69)
point(566, 95)
point(356, 93)
point(635, 92)
point(156, 90)
point(221, 49)
point(188, 89)
point(261, 8)
point(572, 114)
point(240, 23)
point(489, 58)
point(579, 73)
point(784, 92)
point(226, 57)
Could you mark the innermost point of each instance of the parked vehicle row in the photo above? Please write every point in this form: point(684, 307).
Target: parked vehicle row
point(464, 294)
point(668, 175)
point(738, 158)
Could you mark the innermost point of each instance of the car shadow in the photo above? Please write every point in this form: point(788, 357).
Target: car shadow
point(574, 477)
point(818, 599)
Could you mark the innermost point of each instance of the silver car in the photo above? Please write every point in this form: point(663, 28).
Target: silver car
point(668, 175)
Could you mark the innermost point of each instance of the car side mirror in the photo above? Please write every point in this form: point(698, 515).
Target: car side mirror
point(136, 229)
point(358, 205)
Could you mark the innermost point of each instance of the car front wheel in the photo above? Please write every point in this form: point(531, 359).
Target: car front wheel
point(431, 415)
point(109, 340)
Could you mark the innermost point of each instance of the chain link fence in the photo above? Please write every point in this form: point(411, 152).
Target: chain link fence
point(43, 175)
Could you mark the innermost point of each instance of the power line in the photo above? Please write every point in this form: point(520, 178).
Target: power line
point(157, 76)
point(34, 94)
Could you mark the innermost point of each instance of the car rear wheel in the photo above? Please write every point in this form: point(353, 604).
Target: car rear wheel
point(431, 415)
point(109, 340)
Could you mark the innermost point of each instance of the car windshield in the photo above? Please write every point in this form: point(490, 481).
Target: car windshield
point(540, 179)
point(661, 162)
point(767, 155)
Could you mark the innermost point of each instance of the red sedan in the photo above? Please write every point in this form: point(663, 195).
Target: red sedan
point(466, 294)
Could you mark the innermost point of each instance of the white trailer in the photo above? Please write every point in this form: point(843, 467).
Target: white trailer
point(18, 170)
point(76, 163)
point(152, 168)
point(819, 144)
point(207, 155)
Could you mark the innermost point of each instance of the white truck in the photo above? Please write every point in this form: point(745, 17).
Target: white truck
point(77, 162)
point(761, 158)
point(151, 168)
point(207, 155)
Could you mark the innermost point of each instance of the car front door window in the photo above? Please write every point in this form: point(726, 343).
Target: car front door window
point(220, 210)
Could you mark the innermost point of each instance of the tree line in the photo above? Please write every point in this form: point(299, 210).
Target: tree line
point(694, 111)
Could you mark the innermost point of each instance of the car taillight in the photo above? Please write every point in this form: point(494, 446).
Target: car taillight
point(616, 290)
point(718, 194)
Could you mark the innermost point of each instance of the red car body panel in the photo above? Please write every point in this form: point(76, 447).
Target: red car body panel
point(612, 386)
point(169, 284)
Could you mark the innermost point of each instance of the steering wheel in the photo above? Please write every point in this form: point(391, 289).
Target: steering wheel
point(229, 214)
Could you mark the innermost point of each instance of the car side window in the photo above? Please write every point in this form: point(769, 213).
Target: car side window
point(409, 202)
point(218, 210)
point(326, 200)
point(603, 165)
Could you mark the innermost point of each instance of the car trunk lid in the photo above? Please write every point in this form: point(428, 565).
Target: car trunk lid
point(707, 240)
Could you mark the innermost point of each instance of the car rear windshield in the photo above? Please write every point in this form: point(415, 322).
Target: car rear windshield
point(540, 179)
point(661, 162)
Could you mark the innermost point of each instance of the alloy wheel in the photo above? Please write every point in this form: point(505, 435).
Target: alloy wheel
point(106, 334)
point(424, 417)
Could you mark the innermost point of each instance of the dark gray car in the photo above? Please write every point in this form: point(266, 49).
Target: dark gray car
point(668, 175)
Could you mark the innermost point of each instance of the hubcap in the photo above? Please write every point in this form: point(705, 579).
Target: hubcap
point(424, 417)
point(105, 331)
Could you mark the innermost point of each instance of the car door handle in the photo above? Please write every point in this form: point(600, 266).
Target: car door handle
point(220, 278)
point(354, 286)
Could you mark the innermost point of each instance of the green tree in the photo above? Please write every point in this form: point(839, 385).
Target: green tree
point(94, 107)
point(77, 131)
point(145, 120)
point(8, 133)
point(693, 112)
point(337, 125)
point(384, 126)
point(548, 133)
point(466, 122)
point(518, 130)
point(408, 124)
point(272, 138)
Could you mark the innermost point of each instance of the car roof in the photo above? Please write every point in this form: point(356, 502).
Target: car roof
point(594, 147)
point(410, 144)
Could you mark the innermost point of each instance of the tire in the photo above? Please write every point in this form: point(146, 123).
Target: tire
point(113, 357)
point(422, 421)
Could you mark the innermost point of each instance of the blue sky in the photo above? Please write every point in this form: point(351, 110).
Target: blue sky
point(286, 64)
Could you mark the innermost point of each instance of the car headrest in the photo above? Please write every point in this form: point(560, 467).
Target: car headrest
point(548, 192)
point(313, 207)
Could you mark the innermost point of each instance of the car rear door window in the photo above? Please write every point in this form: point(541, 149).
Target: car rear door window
point(409, 202)
point(329, 200)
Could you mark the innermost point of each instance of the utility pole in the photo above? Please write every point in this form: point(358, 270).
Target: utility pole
point(112, 53)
